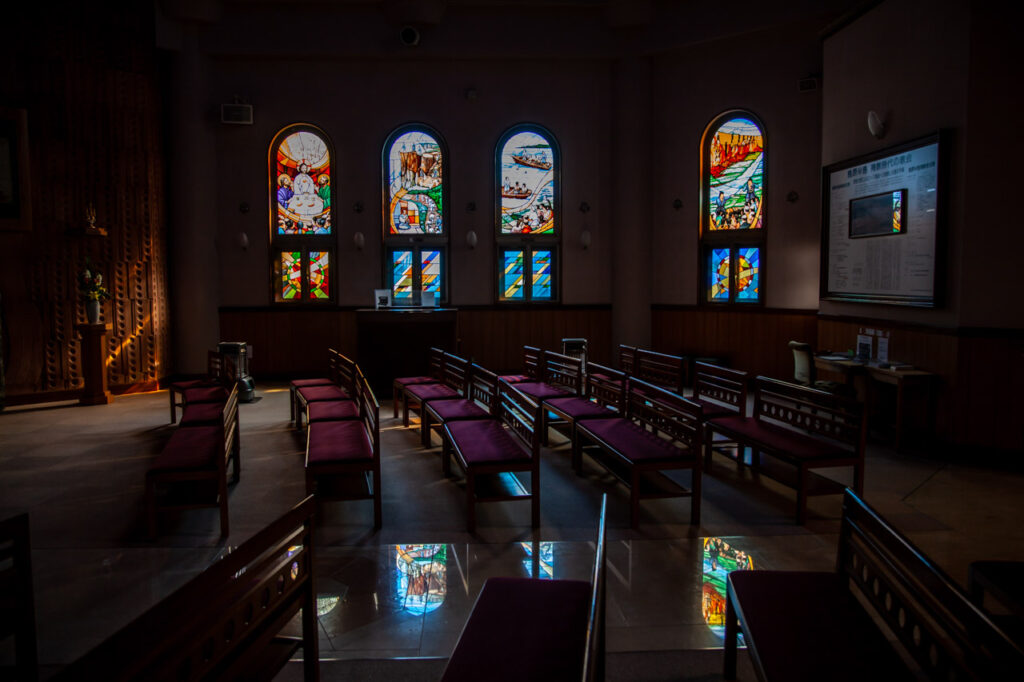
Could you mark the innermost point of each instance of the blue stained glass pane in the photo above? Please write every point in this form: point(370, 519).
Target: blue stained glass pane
point(512, 275)
point(401, 276)
point(748, 274)
point(541, 274)
point(431, 273)
point(718, 275)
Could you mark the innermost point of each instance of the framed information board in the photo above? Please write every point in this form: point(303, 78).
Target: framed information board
point(882, 225)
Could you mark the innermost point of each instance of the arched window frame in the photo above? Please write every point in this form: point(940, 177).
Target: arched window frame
point(418, 246)
point(732, 242)
point(306, 245)
point(532, 247)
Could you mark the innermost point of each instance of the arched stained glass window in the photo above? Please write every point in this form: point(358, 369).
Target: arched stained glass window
point(415, 215)
point(527, 175)
point(302, 230)
point(733, 215)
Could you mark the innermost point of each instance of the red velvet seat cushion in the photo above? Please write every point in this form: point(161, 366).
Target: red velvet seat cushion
point(779, 439)
point(312, 394)
point(523, 629)
point(485, 441)
point(202, 414)
point(516, 378)
point(538, 390)
point(401, 382)
point(579, 408)
point(457, 409)
point(195, 447)
point(424, 392)
point(336, 442)
point(631, 440)
point(332, 410)
point(209, 394)
point(303, 383)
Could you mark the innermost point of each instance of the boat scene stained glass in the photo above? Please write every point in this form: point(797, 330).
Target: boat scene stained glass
point(415, 185)
point(736, 176)
point(303, 172)
point(527, 185)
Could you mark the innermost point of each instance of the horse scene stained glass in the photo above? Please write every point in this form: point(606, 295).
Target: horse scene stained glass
point(528, 185)
point(290, 275)
point(736, 176)
point(319, 274)
point(401, 276)
point(415, 185)
point(748, 278)
point(541, 272)
point(718, 274)
point(430, 273)
point(303, 171)
point(512, 276)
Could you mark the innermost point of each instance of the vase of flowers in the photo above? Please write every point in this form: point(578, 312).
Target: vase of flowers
point(90, 286)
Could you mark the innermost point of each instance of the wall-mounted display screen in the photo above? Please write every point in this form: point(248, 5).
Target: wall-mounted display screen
point(878, 214)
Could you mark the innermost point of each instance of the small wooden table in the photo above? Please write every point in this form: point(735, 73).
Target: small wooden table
point(94, 363)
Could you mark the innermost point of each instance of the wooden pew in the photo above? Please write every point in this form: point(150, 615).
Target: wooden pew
point(17, 607)
point(213, 378)
point(480, 401)
point(451, 384)
point(226, 623)
point(532, 366)
point(808, 625)
point(401, 383)
point(296, 384)
point(604, 396)
point(658, 431)
point(342, 387)
point(532, 629)
point(661, 369)
point(794, 430)
point(191, 471)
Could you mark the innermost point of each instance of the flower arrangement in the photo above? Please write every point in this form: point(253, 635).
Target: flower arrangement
point(90, 285)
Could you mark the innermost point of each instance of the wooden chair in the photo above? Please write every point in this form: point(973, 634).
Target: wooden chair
point(214, 369)
point(399, 385)
point(806, 374)
point(17, 609)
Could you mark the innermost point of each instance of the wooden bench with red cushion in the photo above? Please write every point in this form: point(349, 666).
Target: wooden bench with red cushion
point(481, 397)
point(450, 385)
point(658, 431)
point(489, 449)
point(604, 397)
point(191, 470)
point(227, 623)
point(214, 369)
point(342, 388)
point(399, 385)
point(534, 629)
point(296, 384)
point(886, 603)
point(343, 457)
point(533, 364)
point(794, 430)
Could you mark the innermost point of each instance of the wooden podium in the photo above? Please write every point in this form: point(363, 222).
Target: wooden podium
point(94, 363)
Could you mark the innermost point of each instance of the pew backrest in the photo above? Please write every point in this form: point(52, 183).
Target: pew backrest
point(343, 371)
point(606, 386)
point(563, 370)
point(369, 412)
point(482, 388)
point(456, 373)
point(660, 369)
point(521, 414)
point(720, 385)
point(533, 362)
point(816, 413)
point(663, 412)
point(627, 358)
point(593, 658)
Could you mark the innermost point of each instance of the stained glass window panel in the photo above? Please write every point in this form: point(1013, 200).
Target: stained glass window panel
point(431, 271)
point(421, 577)
point(718, 275)
point(415, 185)
point(748, 274)
point(719, 560)
point(319, 274)
point(527, 185)
point(541, 273)
point(291, 275)
point(736, 176)
point(512, 276)
point(303, 199)
point(401, 276)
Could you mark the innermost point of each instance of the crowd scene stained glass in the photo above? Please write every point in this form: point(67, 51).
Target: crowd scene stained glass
point(415, 185)
point(512, 276)
point(736, 176)
point(291, 275)
point(421, 577)
point(748, 280)
point(718, 274)
point(303, 171)
point(528, 185)
point(720, 559)
point(401, 276)
point(541, 274)
point(319, 274)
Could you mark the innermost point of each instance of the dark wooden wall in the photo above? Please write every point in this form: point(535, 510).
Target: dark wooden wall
point(89, 83)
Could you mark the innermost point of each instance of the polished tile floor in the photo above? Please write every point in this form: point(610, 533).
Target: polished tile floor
point(79, 472)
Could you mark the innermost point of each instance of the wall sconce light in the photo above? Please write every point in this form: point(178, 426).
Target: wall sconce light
point(359, 240)
point(470, 206)
point(242, 240)
point(357, 207)
point(585, 238)
point(677, 204)
point(792, 197)
point(471, 239)
point(584, 207)
point(876, 126)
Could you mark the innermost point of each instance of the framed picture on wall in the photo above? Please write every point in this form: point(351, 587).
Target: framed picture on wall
point(15, 194)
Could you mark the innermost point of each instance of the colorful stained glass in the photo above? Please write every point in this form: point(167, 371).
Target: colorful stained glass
point(541, 272)
point(512, 276)
point(527, 187)
point(736, 176)
point(291, 275)
point(545, 560)
point(720, 559)
point(303, 180)
point(415, 185)
point(430, 274)
point(748, 277)
point(421, 577)
point(401, 276)
point(319, 274)
point(718, 275)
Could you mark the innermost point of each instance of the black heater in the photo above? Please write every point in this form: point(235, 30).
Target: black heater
point(238, 351)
